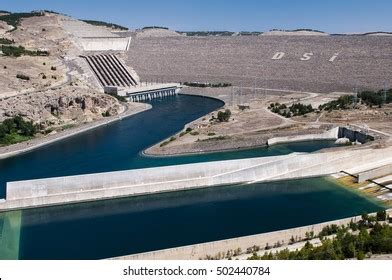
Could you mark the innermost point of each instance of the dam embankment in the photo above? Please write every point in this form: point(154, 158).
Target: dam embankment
point(72, 189)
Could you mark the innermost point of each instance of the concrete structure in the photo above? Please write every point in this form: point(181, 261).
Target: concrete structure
point(63, 190)
point(94, 38)
point(354, 135)
point(105, 43)
point(328, 135)
point(150, 92)
point(110, 71)
point(375, 173)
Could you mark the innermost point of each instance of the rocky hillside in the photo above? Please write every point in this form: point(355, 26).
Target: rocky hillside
point(71, 106)
point(39, 79)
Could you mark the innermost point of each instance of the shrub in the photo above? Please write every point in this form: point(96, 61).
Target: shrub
point(106, 114)
point(381, 215)
point(224, 116)
point(23, 77)
point(53, 68)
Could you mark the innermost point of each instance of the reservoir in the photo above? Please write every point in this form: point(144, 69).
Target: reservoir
point(117, 227)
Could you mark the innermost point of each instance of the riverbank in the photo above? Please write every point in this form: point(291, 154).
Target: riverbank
point(250, 125)
point(23, 147)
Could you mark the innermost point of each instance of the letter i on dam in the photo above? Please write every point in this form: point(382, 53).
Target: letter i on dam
point(332, 59)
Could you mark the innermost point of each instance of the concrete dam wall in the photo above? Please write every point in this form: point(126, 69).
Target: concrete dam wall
point(354, 135)
point(105, 44)
point(72, 189)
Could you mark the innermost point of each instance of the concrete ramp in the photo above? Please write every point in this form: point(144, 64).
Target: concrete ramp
point(72, 189)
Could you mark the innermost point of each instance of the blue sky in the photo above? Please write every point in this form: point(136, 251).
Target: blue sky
point(235, 15)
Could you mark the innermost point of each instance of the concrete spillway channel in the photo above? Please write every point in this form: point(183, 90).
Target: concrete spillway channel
point(72, 189)
point(110, 71)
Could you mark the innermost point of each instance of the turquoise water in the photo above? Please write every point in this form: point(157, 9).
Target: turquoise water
point(131, 225)
point(125, 226)
point(118, 146)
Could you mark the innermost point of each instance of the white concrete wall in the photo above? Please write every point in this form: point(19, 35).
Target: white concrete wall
point(328, 135)
point(105, 44)
point(70, 189)
point(374, 173)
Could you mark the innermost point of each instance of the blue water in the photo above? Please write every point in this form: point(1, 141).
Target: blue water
point(139, 224)
point(118, 146)
point(124, 226)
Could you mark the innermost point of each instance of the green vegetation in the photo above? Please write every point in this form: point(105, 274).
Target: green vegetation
point(297, 109)
point(224, 116)
point(367, 236)
point(23, 77)
point(19, 51)
point(372, 98)
point(155, 27)
point(243, 107)
point(204, 85)
point(187, 130)
point(118, 97)
point(107, 24)
point(15, 130)
point(207, 33)
point(343, 102)
point(5, 41)
point(167, 141)
point(218, 138)
point(15, 18)
point(299, 29)
point(106, 114)
point(250, 33)
point(369, 98)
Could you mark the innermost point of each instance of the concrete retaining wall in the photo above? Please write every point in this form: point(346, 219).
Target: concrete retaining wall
point(354, 135)
point(374, 173)
point(62, 190)
point(201, 250)
point(328, 135)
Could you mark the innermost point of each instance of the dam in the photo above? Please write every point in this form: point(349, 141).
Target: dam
point(35, 233)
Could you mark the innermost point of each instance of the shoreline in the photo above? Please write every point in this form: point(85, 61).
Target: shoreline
point(24, 147)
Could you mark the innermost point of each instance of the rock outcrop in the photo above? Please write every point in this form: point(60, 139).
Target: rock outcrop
point(70, 105)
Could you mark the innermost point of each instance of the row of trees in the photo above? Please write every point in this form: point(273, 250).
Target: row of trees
point(353, 241)
point(204, 85)
point(5, 41)
point(106, 24)
point(297, 109)
point(15, 130)
point(369, 98)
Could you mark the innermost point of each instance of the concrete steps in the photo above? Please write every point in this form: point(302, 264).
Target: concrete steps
point(110, 71)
